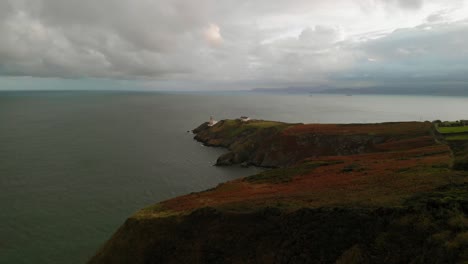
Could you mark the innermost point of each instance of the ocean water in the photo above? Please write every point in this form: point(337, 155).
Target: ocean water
point(75, 165)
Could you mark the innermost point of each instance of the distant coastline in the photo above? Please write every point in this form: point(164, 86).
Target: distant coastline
point(459, 91)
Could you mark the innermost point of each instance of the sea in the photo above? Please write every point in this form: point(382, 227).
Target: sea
point(75, 164)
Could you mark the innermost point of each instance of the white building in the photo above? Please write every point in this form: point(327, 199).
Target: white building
point(212, 122)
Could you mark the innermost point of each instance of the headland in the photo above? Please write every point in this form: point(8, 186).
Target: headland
point(333, 193)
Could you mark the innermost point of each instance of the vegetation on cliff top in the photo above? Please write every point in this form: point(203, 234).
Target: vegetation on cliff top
point(276, 144)
point(357, 193)
point(429, 228)
point(456, 136)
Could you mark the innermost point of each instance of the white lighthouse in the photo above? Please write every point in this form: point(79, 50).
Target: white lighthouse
point(212, 122)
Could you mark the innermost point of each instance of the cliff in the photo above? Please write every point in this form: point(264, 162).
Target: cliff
point(275, 144)
point(356, 193)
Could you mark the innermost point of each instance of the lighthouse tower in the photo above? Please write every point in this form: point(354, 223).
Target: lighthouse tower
point(212, 122)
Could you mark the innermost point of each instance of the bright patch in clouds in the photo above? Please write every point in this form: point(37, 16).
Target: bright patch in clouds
point(238, 44)
point(213, 35)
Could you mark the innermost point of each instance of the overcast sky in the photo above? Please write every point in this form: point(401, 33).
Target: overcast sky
point(232, 44)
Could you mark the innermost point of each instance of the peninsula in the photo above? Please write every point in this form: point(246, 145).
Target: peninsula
point(330, 193)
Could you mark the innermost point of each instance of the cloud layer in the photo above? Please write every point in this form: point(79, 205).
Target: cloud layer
point(238, 44)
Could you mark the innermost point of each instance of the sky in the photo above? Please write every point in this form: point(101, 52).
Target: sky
point(232, 44)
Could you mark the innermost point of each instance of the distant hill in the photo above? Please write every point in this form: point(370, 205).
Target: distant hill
point(437, 91)
point(291, 90)
point(459, 91)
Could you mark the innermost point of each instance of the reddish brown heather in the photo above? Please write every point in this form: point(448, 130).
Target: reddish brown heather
point(403, 161)
point(396, 128)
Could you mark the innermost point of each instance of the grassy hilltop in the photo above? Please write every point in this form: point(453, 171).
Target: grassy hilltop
point(354, 193)
point(456, 136)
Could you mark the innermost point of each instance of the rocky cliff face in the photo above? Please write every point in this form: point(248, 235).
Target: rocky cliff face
point(428, 229)
point(374, 193)
point(274, 144)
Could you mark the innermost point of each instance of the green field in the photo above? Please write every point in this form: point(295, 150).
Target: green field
point(450, 130)
point(457, 137)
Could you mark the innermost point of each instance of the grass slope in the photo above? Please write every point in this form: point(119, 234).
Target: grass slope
point(455, 129)
point(373, 193)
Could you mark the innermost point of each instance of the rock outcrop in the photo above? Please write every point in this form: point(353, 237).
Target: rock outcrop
point(274, 144)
